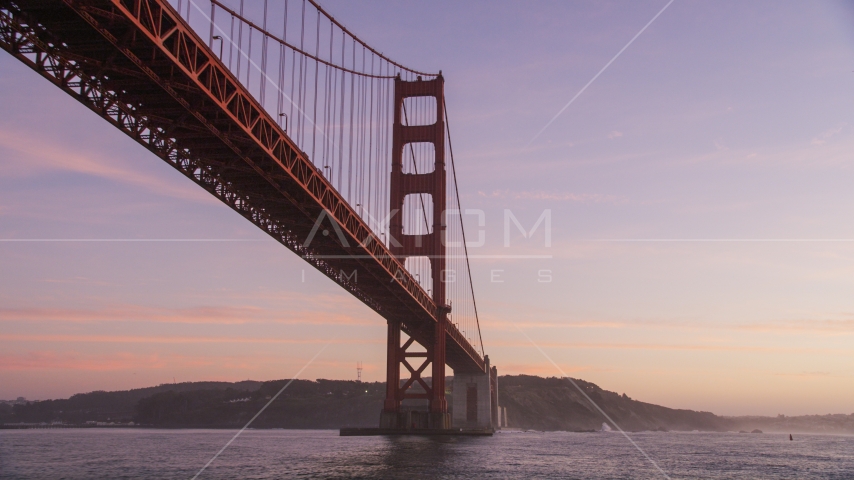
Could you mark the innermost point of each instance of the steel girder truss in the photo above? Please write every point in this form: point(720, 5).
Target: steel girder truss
point(140, 67)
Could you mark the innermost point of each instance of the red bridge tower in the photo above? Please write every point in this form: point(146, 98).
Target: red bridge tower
point(430, 245)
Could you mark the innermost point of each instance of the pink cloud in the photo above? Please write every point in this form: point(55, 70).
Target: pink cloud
point(544, 369)
point(64, 338)
point(557, 196)
point(74, 361)
point(192, 315)
point(823, 137)
point(674, 347)
point(44, 155)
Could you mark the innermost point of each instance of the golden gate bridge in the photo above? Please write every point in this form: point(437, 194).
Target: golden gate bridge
point(333, 149)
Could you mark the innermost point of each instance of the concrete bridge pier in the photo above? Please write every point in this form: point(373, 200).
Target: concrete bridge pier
point(476, 399)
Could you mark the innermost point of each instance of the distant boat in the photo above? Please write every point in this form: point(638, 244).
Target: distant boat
point(790, 437)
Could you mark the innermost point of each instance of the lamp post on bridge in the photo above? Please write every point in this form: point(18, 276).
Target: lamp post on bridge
point(217, 37)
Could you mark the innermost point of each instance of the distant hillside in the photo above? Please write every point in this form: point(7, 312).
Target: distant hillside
point(304, 404)
point(554, 404)
point(834, 424)
point(532, 403)
point(100, 406)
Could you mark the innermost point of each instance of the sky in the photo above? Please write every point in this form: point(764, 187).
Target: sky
point(700, 196)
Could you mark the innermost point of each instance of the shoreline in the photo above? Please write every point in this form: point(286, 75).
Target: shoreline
point(505, 431)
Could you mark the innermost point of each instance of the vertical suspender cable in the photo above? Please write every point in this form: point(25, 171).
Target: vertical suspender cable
point(314, 114)
point(462, 227)
point(301, 78)
point(280, 104)
point(341, 116)
point(327, 93)
point(211, 35)
point(350, 138)
point(239, 39)
point(370, 138)
point(231, 44)
point(263, 85)
point(249, 62)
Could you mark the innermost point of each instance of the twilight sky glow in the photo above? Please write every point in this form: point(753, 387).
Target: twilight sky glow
point(701, 197)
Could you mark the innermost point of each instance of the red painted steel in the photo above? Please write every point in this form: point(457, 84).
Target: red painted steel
point(430, 244)
point(139, 66)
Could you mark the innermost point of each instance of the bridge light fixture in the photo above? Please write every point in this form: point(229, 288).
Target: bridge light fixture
point(285, 128)
point(217, 37)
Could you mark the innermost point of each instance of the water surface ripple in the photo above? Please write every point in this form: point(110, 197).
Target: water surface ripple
point(268, 454)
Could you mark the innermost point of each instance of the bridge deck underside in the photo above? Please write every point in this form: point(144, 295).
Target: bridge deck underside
point(168, 92)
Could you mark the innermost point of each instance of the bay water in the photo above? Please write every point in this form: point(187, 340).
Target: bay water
point(269, 454)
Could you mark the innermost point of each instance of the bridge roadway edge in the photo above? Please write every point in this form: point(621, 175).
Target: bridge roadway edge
point(230, 168)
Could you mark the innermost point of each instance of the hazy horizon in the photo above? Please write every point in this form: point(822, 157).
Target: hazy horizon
point(701, 253)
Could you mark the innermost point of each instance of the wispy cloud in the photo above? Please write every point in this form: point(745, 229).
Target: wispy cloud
point(44, 155)
point(545, 369)
point(220, 367)
point(163, 339)
point(805, 374)
point(43, 360)
point(555, 196)
point(501, 324)
point(819, 152)
point(233, 315)
point(675, 347)
point(823, 137)
point(824, 326)
point(780, 327)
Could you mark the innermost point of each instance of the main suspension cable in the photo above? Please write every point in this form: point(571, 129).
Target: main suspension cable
point(301, 51)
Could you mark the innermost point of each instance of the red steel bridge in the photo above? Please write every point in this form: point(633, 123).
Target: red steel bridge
point(333, 149)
